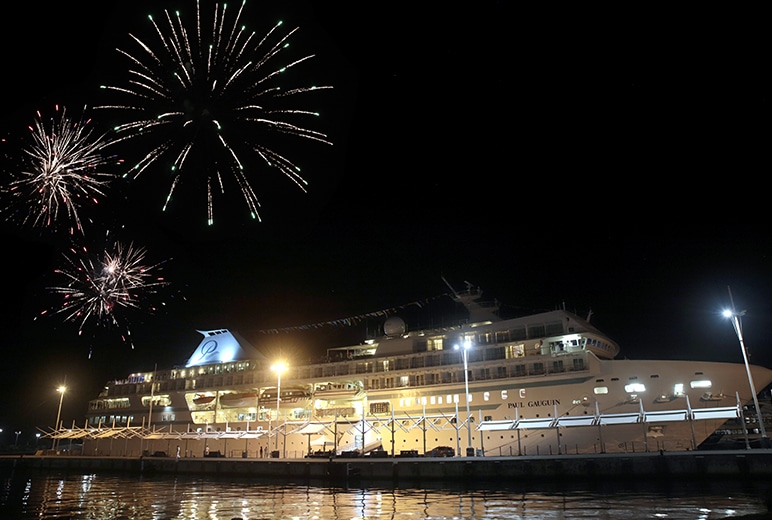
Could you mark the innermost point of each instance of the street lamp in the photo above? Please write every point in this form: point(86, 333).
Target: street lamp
point(466, 346)
point(16, 442)
point(61, 391)
point(278, 368)
point(735, 316)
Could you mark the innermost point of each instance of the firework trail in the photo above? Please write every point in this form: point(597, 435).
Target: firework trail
point(62, 170)
point(102, 288)
point(209, 101)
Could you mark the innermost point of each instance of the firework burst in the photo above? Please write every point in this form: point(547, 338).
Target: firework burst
point(102, 288)
point(63, 169)
point(209, 101)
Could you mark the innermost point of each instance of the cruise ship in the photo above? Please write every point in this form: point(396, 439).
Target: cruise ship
point(546, 383)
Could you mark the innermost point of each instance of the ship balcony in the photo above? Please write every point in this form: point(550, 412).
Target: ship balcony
point(525, 367)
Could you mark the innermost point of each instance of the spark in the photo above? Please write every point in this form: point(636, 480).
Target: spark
point(62, 170)
point(101, 288)
point(210, 103)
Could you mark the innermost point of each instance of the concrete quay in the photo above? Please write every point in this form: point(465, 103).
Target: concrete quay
point(725, 464)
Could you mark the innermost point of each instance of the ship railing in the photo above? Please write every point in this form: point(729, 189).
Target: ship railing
point(486, 353)
point(519, 367)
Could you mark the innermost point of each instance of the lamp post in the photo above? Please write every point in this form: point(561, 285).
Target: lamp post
point(735, 317)
point(61, 391)
point(16, 442)
point(465, 347)
point(278, 368)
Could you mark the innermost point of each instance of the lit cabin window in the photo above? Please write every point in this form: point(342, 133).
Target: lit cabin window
point(504, 395)
point(522, 393)
point(678, 389)
point(433, 400)
point(486, 396)
point(635, 388)
point(381, 407)
point(514, 351)
point(600, 390)
point(701, 383)
point(455, 398)
point(423, 400)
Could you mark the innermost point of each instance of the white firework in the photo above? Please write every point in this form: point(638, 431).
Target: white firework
point(63, 169)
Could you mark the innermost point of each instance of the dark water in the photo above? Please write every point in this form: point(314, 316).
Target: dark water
point(104, 497)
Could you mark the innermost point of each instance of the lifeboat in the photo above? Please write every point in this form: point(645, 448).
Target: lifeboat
point(291, 395)
point(238, 400)
point(203, 400)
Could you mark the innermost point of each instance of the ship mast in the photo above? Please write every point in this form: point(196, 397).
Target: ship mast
point(479, 312)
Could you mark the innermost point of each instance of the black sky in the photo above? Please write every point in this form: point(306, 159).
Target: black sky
point(612, 161)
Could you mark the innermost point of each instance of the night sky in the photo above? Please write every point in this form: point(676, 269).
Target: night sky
point(605, 161)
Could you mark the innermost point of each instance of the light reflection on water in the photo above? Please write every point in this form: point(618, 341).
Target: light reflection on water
point(124, 497)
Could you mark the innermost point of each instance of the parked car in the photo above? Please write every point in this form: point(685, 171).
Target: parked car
point(442, 451)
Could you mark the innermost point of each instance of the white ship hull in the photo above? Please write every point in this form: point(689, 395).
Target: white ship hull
point(541, 384)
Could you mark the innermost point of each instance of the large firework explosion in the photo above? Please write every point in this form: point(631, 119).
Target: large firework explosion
point(207, 101)
point(63, 168)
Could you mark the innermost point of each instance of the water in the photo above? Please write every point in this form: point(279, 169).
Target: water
point(106, 496)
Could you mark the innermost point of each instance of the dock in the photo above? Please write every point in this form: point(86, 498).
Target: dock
point(714, 464)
